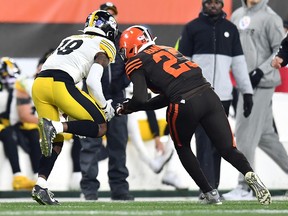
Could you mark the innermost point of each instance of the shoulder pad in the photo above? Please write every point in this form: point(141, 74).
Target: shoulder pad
point(109, 48)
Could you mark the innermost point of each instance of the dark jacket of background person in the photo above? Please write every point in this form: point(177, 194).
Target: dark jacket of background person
point(216, 47)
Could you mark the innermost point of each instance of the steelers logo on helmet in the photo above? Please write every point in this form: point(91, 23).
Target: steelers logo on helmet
point(102, 23)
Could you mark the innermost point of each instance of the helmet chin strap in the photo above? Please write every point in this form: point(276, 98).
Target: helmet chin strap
point(135, 50)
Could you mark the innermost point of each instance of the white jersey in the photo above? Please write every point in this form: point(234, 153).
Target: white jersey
point(23, 84)
point(75, 55)
point(4, 99)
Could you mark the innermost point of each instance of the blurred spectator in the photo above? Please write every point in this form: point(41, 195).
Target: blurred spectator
point(23, 115)
point(280, 62)
point(285, 25)
point(9, 72)
point(261, 31)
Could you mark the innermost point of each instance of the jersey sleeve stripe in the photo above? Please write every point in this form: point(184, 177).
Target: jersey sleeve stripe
point(135, 61)
point(109, 49)
point(128, 72)
point(135, 64)
point(110, 46)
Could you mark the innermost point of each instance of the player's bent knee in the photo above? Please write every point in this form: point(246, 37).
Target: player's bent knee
point(102, 129)
point(226, 152)
point(57, 146)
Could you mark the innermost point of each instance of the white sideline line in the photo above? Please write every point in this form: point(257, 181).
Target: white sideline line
point(140, 199)
point(150, 212)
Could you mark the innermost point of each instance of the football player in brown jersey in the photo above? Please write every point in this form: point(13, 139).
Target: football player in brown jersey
point(190, 100)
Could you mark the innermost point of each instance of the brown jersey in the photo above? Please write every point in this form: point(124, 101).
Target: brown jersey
point(167, 72)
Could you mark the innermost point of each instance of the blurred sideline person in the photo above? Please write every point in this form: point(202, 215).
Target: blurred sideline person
point(76, 175)
point(213, 42)
point(277, 63)
point(190, 101)
point(164, 152)
point(9, 71)
point(281, 58)
point(114, 81)
point(261, 31)
point(54, 90)
point(23, 116)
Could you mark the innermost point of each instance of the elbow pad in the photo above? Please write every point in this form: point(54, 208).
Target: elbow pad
point(94, 84)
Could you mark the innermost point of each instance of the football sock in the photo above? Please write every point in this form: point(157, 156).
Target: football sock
point(42, 182)
point(83, 128)
point(191, 164)
point(58, 126)
point(46, 164)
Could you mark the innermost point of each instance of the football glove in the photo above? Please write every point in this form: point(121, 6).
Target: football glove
point(121, 109)
point(255, 77)
point(108, 110)
point(247, 105)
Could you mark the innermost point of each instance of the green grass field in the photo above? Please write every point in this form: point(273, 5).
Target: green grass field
point(138, 208)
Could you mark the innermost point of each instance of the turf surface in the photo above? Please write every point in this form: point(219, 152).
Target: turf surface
point(138, 208)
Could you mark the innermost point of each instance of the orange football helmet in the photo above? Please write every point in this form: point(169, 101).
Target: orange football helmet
point(133, 40)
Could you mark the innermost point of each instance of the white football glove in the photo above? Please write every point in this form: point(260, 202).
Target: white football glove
point(109, 110)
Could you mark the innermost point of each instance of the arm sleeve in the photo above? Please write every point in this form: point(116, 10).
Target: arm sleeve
point(140, 94)
point(139, 100)
point(94, 85)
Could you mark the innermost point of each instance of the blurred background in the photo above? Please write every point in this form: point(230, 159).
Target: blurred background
point(28, 28)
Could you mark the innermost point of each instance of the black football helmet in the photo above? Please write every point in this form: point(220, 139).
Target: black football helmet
point(8, 67)
point(9, 71)
point(103, 23)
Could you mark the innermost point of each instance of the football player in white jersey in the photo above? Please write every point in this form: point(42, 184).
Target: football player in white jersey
point(77, 57)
